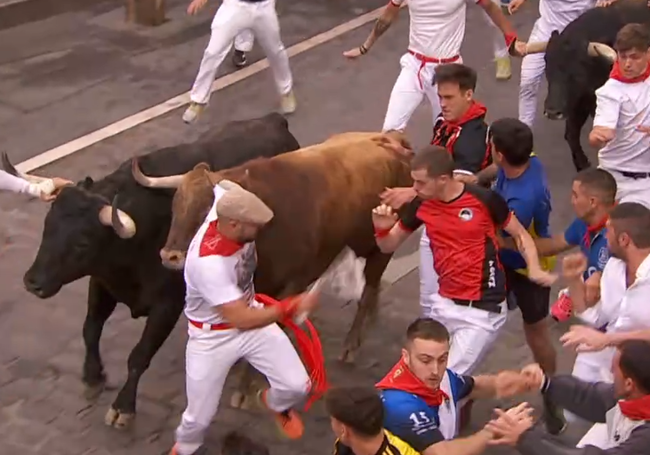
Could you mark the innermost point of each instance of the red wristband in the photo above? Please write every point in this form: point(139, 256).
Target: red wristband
point(379, 233)
point(288, 307)
point(510, 39)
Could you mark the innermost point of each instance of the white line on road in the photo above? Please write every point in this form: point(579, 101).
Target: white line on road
point(178, 101)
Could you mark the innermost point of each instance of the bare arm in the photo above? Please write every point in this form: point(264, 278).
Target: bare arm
point(382, 24)
point(390, 242)
point(578, 293)
point(524, 242)
point(487, 175)
point(471, 445)
point(499, 19)
point(550, 246)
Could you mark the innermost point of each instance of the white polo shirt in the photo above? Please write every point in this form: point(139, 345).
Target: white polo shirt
point(560, 13)
point(623, 107)
point(215, 279)
point(437, 27)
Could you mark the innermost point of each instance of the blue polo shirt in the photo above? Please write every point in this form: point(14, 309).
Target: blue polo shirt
point(529, 198)
point(595, 250)
point(411, 419)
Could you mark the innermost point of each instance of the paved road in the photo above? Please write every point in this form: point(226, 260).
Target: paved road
point(42, 410)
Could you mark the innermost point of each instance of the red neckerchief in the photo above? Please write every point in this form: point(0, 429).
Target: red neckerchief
point(448, 132)
point(214, 243)
point(594, 229)
point(618, 75)
point(401, 378)
point(638, 409)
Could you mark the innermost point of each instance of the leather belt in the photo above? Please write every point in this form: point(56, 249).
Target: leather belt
point(489, 307)
point(634, 175)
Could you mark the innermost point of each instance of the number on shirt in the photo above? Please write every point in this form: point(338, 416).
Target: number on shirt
point(422, 420)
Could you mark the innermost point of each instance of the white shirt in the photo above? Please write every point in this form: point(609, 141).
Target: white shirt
point(9, 182)
point(213, 280)
point(561, 12)
point(437, 27)
point(623, 107)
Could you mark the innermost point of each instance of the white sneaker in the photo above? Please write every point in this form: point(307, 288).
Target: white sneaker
point(193, 112)
point(504, 71)
point(288, 103)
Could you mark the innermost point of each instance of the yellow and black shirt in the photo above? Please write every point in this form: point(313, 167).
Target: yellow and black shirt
point(392, 445)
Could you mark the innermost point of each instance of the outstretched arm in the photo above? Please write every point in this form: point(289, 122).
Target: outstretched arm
point(382, 24)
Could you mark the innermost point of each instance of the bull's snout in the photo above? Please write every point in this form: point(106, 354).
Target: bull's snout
point(553, 114)
point(173, 259)
point(33, 286)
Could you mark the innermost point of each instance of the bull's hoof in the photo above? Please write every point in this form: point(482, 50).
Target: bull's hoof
point(92, 392)
point(117, 419)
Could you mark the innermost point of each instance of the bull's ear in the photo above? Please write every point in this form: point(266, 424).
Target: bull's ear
point(202, 166)
point(86, 183)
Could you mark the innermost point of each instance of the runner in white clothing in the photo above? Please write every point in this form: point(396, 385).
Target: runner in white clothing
point(227, 324)
point(437, 29)
point(233, 20)
point(622, 121)
point(553, 15)
point(44, 188)
point(625, 286)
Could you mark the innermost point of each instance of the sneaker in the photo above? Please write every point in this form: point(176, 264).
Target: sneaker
point(504, 71)
point(239, 58)
point(554, 419)
point(193, 112)
point(288, 103)
point(562, 308)
point(201, 451)
point(289, 422)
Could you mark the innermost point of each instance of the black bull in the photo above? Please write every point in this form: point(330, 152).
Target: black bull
point(576, 68)
point(86, 235)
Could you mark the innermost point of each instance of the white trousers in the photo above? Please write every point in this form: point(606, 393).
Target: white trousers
point(209, 356)
point(244, 41)
point(500, 48)
point(472, 331)
point(415, 81)
point(631, 190)
point(234, 19)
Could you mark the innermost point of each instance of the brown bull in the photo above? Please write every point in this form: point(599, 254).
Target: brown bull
point(322, 198)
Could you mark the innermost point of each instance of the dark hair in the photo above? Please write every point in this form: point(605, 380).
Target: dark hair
point(513, 139)
point(235, 443)
point(436, 160)
point(457, 73)
point(635, 363)
point(427, 329)
point(633, 219)
point(358, 407)
point(632, 36)
point(598, 183)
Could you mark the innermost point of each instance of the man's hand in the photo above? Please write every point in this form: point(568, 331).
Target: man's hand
point(601, 3)
point(534, 376)
point(643, 128)
point(397, 197)
point(592, 288)
point(510, 425)
point(195, 6)
point(574, 266)
point(511, 383)
point(519, 49)
point(541, 277)
point(58, 184)
point(305, 305)
point(383, 217)
point(585, 339)
point(514, 6)
point(600, 136)
point(470, 179)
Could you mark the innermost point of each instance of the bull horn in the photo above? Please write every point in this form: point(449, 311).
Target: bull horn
point(11, 169)
point(602, 50)
point(536, 48)
point(122, 224)
point(172, 181)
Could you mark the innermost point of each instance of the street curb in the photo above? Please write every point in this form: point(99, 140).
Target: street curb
point(19, 12)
